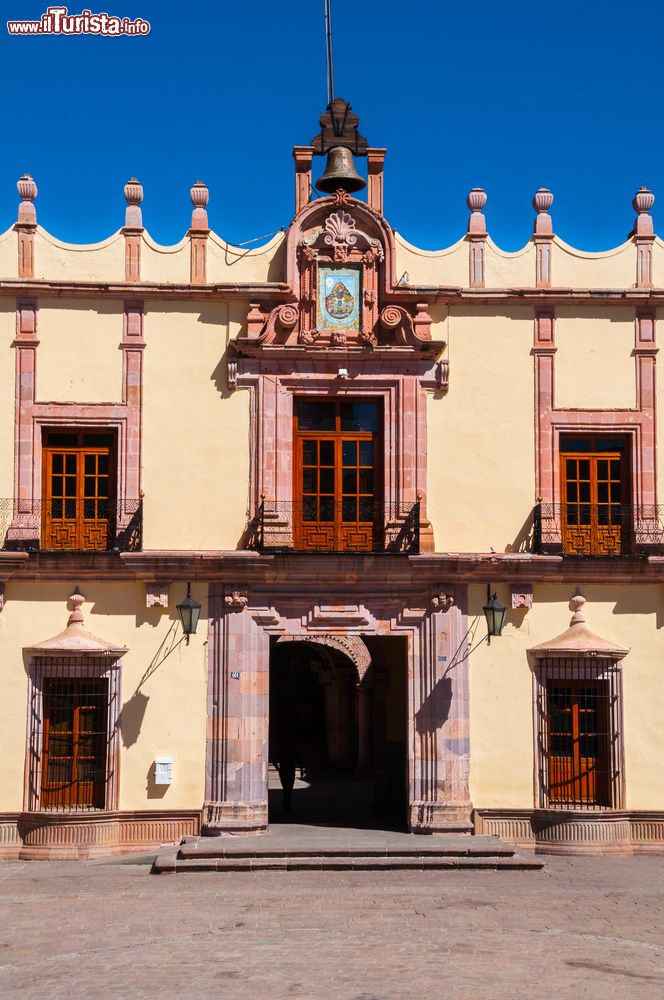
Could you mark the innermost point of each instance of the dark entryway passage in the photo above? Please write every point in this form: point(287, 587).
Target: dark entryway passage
point(339, 742)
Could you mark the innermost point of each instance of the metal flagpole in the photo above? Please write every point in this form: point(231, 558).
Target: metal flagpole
point(330, 61)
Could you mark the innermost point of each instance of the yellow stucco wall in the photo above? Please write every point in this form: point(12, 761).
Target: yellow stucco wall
point(161, 263)
point(572, 268)
point(484, 424)
point(8, 254)
point(509, 270)
point(79, 357)
point(432, 267)
point(594, 364)
point(195, 432)
point(252, 263)
point(164, 712)
point(501, 689)
point(57, 261)
point(658, 262)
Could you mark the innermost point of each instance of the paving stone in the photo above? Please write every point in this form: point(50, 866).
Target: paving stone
point(585, 928)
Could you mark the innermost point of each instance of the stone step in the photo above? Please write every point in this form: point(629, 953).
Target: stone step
point(171, 862)
point(203, 849)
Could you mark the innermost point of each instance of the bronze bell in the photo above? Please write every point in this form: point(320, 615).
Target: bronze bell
point(340, 172)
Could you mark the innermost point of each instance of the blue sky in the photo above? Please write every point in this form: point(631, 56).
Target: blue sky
point(507, 96)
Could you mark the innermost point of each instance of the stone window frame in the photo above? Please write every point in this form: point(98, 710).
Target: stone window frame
point(32, 417)
point(404, 434)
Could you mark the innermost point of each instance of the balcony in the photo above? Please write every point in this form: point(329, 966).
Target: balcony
point(71, 525)
point(598, 530)
point(322, 524)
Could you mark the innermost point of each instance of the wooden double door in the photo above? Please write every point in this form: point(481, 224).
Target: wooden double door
point(78, 490)
point(595, 513)
point(337, 476)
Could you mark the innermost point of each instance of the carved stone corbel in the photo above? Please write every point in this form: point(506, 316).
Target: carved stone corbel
point(156, 595)
point(442, 601)
point(236, 600)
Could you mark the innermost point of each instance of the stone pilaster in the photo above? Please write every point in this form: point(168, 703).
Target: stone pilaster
point(439, 795)
point(477, 235)
point(543, 237)
point(133, 229)
point(644, 236)
point(198, 234)
point(303, 156)
point(26, 226)
point(237, 734)
point(375, 174)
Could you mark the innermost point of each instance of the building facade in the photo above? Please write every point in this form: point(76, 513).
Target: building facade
point(340, 442)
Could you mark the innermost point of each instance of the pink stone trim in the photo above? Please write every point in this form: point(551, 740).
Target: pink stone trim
point(238, 709)
point(477, 235)
point(198, 234)
point(638, 424)
point(375, 172)
point(303, 156)
point(274, 386)
point(543, 237)
point(133, 229)
point(644, 236)
point(26, 226)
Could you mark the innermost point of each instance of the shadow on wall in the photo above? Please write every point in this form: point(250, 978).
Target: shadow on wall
point(639, 601)
point(131, 718)
point(220, 377)
point(435, 709)
point(524, 538)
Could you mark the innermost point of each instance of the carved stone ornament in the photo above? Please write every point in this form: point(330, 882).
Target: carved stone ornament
point(522, 595)
point(442, 601)
point(340, 236)
point(236, 599)
point(407, 329)
point(156, 595)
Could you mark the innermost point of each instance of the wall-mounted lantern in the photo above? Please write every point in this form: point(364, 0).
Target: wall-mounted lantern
point(494, 612)
point(189, 611)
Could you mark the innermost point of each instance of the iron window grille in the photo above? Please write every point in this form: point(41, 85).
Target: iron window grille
point(579, 733)
point(73, 734)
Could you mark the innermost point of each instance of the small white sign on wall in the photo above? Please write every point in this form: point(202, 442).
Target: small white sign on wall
point(163, 770)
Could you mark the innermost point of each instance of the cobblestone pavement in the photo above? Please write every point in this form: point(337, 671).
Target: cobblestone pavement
point(582, 928)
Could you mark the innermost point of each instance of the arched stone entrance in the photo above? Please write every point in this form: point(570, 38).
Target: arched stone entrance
point(430, 626)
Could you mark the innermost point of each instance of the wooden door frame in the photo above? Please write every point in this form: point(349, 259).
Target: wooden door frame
point(593, 456)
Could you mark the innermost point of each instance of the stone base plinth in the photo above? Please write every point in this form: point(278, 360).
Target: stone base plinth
point(440, 817)
point(574, 832)
point(234, 818)
point(35, 836)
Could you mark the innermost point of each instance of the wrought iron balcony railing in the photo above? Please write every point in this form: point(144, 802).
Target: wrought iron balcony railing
point(600, 529)
point(322, 524)
point(71, 525)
